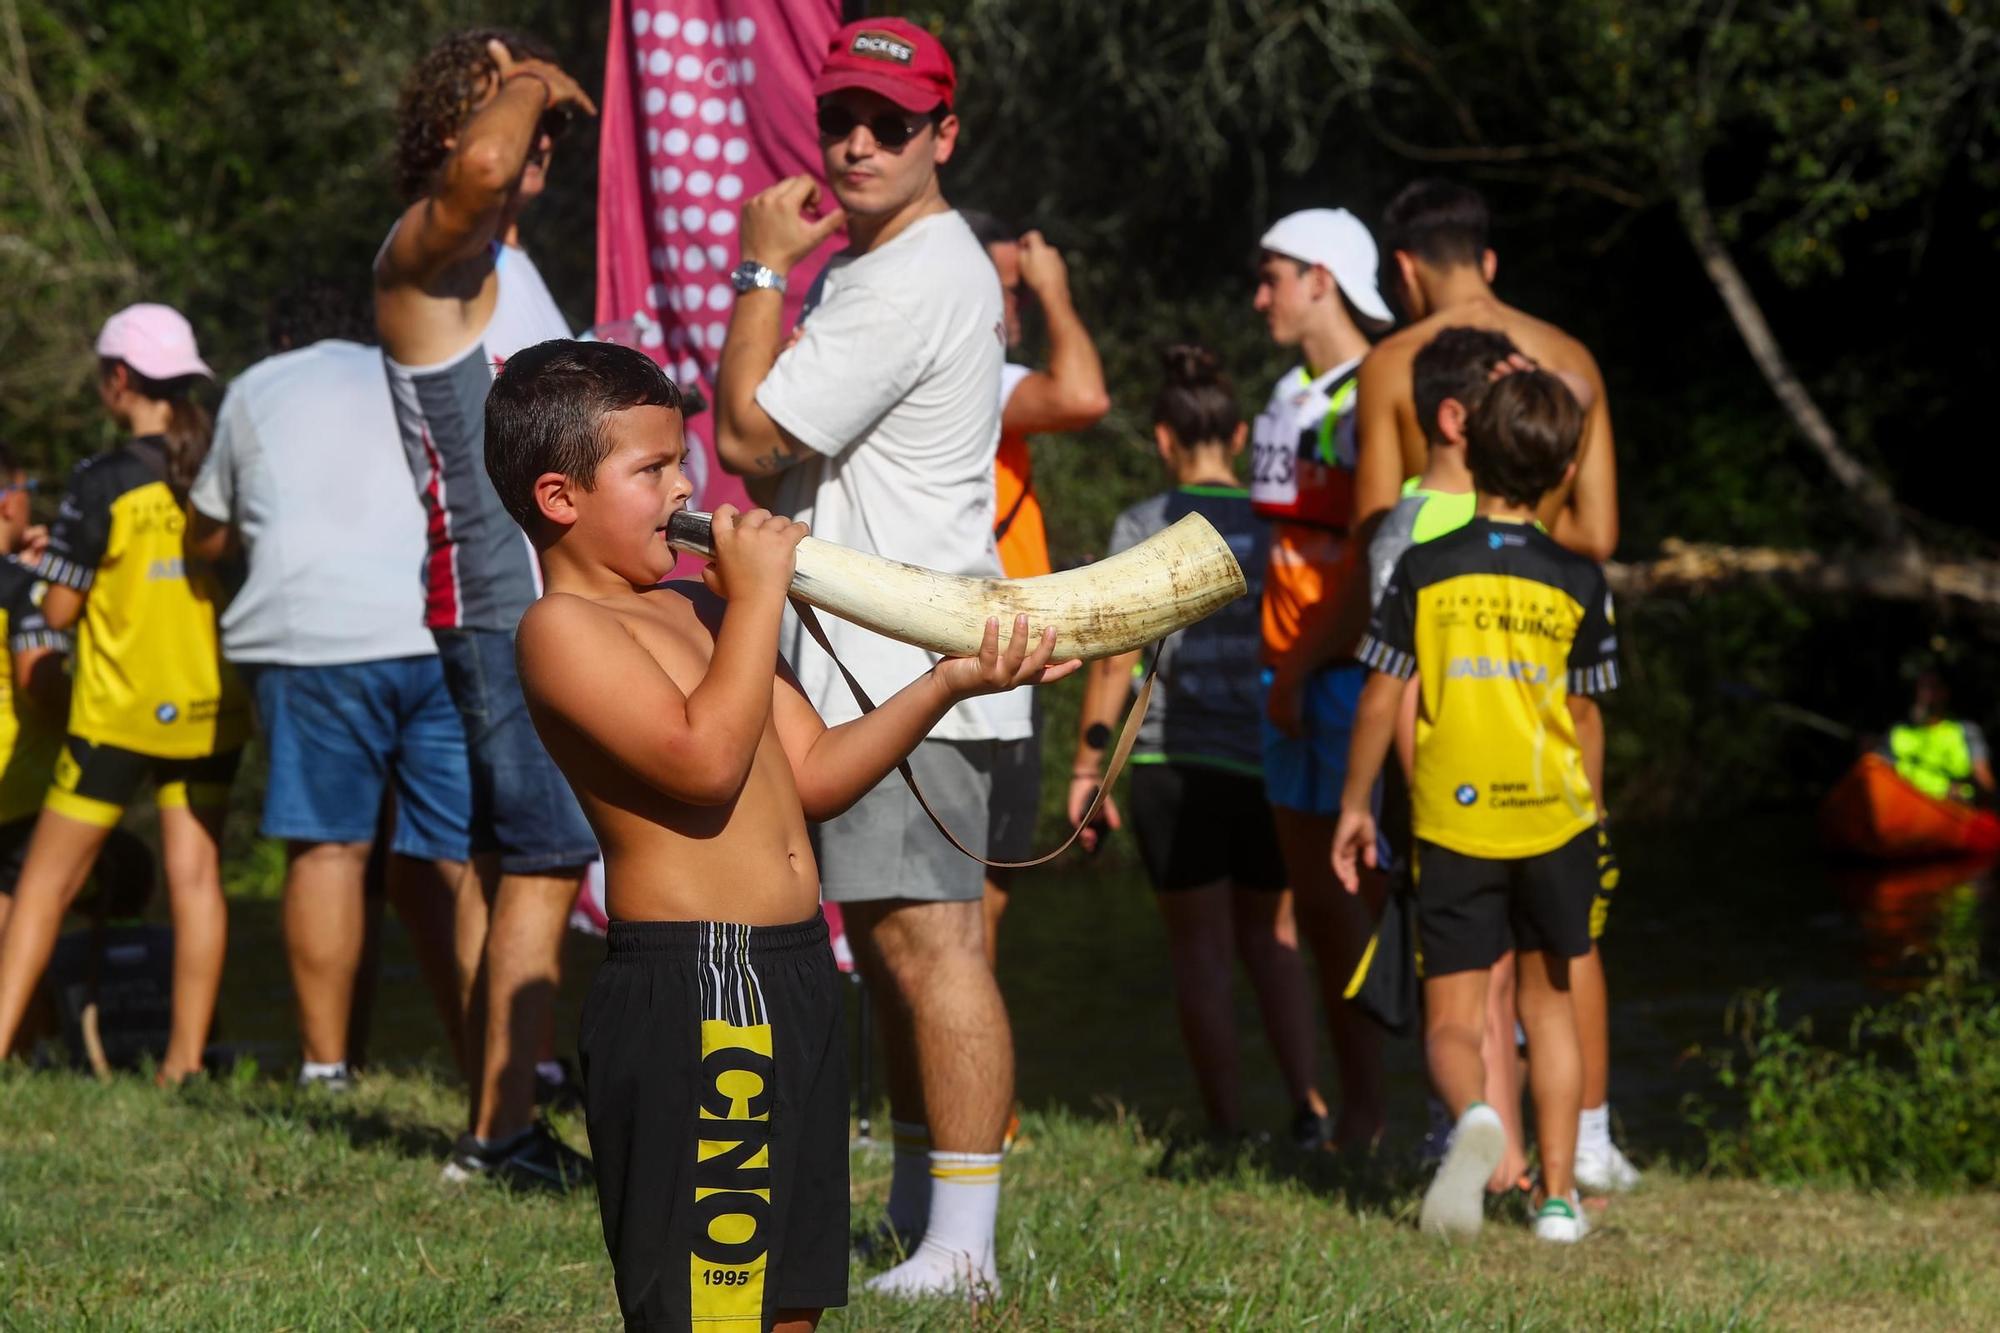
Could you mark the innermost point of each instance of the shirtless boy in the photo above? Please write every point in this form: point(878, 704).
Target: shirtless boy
point(714, 1062)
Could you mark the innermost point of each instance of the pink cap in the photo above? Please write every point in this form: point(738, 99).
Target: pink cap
point(155, 340)
point(892, 57)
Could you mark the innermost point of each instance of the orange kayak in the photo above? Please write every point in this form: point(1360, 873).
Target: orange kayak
point(1873, 812)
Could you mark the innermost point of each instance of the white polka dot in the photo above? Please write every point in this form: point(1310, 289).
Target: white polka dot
point(696, 32)
point(718, 73)
point(736, 150)
point(714, 110)
point(687, 69)
point(655, 99)
point(746, 70)
point(722, 222)
point(700, 183)
point(729, 187)
point(694, 261)
point(669, 221)
point(659, 63)
point(706, 146)
point(670, 180)
point(655, 293)
point(652, 142)
point(719, 296)
point(650, 337)
point(682, 103)
point(675, 141)
point(692, 218)
point(695, 335)
point(641, 20)
point(718, 256)
point(737, 113)
point(666, 24)
point(717, 335)
point(691, 297)
point(674, 301)
point(688, 369)
point(746, 30)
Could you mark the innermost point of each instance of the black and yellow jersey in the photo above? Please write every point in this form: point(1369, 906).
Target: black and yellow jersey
point(28, 740)
point(1502, 625)
point(149, 671)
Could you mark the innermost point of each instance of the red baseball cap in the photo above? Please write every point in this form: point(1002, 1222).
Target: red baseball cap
point(892, 57)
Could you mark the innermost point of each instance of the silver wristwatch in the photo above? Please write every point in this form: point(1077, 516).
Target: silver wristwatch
point(750, 276)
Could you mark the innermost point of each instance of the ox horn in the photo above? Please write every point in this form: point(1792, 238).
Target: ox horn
point(1126, 601)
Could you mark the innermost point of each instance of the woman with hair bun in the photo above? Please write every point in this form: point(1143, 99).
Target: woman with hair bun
point(152, 699)
point(1197, 793)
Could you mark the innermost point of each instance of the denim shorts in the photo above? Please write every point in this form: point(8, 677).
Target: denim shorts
point(339, 736)
point(522, 806)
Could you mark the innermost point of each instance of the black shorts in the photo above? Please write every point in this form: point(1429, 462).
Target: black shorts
point(1471, 910)
point(1198, 825)
point(715, 1091)
point(94, 783)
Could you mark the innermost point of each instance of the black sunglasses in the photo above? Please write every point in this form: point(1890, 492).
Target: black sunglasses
point(891, 129)
point(555, 123)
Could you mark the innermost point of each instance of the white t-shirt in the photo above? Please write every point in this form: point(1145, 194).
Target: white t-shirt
point(308, 467)
point(895, 385)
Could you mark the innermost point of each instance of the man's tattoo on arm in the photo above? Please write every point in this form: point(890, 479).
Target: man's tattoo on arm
point(776, 461)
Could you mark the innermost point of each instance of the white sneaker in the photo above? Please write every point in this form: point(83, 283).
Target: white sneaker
point(1602, 1169)
point(1561, 1221)
point(1455, 1204)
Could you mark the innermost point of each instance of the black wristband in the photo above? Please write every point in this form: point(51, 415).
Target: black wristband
point(1097, 735)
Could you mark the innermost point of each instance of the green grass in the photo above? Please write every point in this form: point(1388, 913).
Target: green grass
point(243, 1204)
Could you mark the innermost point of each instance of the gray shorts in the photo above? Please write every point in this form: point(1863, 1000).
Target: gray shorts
point(885, 847)
point(1017, 795)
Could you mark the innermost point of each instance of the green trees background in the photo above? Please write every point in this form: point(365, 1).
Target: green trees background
point(1774, 220)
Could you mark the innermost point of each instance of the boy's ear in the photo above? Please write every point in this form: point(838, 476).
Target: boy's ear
point(1489, 264)
point(1569, 475)
point(1237, 439)
point(1451, 421)
point(555, 497)
point(1163, 440)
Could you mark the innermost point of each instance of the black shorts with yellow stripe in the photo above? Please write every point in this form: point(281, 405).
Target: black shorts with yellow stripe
point(94, 783)
point(715, 1092)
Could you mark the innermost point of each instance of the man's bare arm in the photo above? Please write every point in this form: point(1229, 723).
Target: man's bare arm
point(207, 539)
point(1589, 721)
point(462, 214)
point(835, 766)
point(40, 677)
point(1070, 394)
point(62, 606)
point(777, 234)
point(1588, 522)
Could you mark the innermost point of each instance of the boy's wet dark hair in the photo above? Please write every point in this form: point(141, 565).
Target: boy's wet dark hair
point(546, 414)
point(1523, 436)
point(1456, 364)
point(1196, 402)
point(439, 97)
point(1440, 222)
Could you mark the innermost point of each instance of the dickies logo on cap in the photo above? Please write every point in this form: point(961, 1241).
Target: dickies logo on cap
point(893, 58)
point(873, 44)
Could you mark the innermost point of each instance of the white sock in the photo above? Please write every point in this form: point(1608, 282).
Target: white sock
point(957, 1253)
point(551, 1072)
point(312, 1070)
point(1593, 1129)
point(910, 1184)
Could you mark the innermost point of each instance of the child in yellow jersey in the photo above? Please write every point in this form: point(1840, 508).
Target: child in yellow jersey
point(1510, 635)
point(152, 697)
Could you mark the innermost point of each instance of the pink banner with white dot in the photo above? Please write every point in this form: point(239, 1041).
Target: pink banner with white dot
point(705, 103)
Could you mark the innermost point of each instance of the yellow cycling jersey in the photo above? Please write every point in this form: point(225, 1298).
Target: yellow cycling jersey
point(149, 671)
point(29, 741)
point(1501, 625)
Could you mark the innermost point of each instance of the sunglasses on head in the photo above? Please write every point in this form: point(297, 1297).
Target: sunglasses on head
point(891, 129)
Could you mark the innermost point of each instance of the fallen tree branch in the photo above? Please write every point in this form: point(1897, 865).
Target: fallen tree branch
point(1693, 567)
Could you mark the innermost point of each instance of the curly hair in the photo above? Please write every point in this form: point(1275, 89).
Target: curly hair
point(440, 95)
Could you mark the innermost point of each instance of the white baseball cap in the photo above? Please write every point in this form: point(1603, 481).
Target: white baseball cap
point(155, 340)
point(1337, 241)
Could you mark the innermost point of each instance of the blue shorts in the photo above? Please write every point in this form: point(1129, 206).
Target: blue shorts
point(522, 807)
point(337, 736)
point(1306, 773)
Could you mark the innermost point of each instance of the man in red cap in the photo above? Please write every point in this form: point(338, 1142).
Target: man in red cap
point(881, 421)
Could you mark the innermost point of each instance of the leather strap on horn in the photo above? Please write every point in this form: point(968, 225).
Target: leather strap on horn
point(1128, 735)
